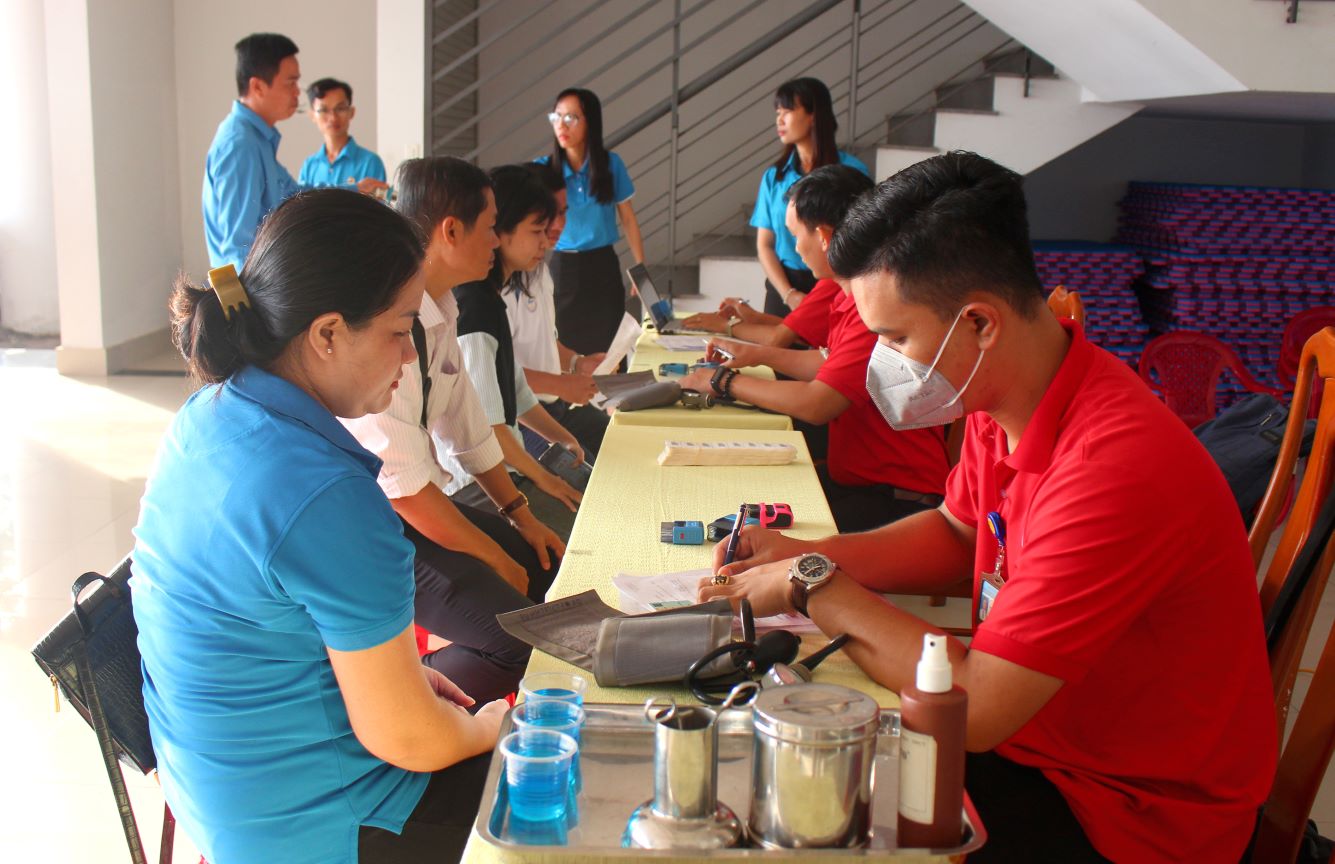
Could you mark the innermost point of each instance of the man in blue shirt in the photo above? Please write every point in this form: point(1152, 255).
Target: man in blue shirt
point(341, 162)
point(243, 180)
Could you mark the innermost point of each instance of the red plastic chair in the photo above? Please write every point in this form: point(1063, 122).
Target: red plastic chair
point(1296, 333)
point(1184, 369)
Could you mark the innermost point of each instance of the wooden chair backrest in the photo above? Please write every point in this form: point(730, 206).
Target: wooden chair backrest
point(1067, 304)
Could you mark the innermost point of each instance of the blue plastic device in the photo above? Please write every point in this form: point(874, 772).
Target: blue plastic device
point(689, 532)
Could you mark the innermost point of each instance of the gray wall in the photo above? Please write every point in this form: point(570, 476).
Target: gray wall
point(1075, 196)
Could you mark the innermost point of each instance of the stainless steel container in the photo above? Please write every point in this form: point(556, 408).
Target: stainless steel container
point(811, 771)
point(685, 812)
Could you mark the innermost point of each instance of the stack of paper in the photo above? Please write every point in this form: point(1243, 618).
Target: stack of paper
point(726, 453)
point(676, 590)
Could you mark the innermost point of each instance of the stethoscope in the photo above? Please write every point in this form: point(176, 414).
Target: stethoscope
point(771, 657)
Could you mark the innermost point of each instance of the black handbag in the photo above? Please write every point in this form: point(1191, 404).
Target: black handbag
point(92, 655)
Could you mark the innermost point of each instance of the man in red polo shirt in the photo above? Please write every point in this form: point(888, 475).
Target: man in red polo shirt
point(873, 475)
point(1119, 696)
point(810, 321)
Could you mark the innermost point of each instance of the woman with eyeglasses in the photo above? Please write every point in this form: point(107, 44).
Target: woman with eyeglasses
point(590, 296)
point(273, 587)
point(804, 119)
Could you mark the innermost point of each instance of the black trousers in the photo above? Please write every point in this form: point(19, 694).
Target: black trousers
point(1026, 817)
point(862, 508)
point(459, 597)
point(802, 280)
point(586, 423)
point(590, 298)
point(438, 828)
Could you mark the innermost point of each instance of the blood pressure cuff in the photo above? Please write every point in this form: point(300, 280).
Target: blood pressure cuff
point(659, 647)
point(650, 396)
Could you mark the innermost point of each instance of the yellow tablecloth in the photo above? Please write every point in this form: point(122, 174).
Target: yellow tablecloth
point(649, 355)
point(617, 531)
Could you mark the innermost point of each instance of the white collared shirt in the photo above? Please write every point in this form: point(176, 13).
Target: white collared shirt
point(533, 326)
point(460, 436)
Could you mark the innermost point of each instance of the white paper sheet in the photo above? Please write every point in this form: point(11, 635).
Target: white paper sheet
point(683, 343)
point(622, 344)
point(672, 590)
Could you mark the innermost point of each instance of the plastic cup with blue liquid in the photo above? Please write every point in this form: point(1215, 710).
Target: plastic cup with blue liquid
point(559, 686)
point(537, 773)
point(558, 716)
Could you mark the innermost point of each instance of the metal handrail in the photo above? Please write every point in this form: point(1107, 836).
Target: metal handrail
point(718, 72)
point(869, 74)
point(462, 22)
point(486, 78)
point(643, 76)
point(482, 46)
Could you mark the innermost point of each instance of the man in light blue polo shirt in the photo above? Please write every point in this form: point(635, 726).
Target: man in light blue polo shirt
point(341, 161)
point(243, 181)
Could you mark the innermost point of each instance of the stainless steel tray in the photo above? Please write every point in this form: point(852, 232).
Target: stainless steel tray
point(616, 758)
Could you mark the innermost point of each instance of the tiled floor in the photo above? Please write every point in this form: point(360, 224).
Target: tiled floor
point(73, 456)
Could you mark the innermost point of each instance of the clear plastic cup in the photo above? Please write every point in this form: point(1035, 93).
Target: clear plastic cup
point(537, 773)
point(561, 686)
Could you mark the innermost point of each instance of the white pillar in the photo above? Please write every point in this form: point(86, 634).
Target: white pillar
point(401, 65)
point(27, 230)
point(111, 86)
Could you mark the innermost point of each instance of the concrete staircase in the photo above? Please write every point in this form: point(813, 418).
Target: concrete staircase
point(1015, 108)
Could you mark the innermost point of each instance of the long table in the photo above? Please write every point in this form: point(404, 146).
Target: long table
point(616, 531)
point(649, 355)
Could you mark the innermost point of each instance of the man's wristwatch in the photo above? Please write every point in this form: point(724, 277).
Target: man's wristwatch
point(509, 509)
point(807, 574)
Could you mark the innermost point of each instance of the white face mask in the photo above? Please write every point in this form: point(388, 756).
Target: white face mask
point(910, 395)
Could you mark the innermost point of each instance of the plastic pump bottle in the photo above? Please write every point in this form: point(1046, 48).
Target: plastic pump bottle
point(933, 715)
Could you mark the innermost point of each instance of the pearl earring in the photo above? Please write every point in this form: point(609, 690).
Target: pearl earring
point(329, 350)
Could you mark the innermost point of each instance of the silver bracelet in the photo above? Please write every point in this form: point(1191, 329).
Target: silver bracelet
point(574, 362)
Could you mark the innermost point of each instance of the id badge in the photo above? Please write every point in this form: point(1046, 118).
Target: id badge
point(987, 594)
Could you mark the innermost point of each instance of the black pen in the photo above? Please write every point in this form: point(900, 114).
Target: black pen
point(735, 535)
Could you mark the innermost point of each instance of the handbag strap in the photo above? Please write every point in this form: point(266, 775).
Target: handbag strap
point(1304, 566)
point(81, 585)
point(419, 343)
point(99, 720)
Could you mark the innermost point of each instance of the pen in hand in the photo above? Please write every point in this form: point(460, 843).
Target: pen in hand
point(735, 535)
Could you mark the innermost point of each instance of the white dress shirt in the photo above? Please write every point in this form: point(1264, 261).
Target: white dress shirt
point(461, 441)
point(479, 353)
point(533, 326)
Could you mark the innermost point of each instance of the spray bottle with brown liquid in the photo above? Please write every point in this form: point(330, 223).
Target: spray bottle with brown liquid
point(933, 715)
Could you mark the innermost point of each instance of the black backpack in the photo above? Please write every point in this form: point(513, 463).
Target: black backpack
point(1244, 441)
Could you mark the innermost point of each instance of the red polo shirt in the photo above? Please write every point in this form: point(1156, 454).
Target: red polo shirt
point(811, 319)
point(864, 450)
point(1128, 576)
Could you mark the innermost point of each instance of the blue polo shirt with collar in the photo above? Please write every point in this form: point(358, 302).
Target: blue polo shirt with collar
point(772, 206)
point(352, 164)
point(263, 540)
point(243, 182)
point(591, 224)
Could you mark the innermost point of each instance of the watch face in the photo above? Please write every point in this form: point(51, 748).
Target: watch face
point(813, 568)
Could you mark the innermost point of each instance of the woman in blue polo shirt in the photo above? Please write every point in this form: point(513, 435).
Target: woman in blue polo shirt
point(273, 587)
point(804, 118)
point(586, 275)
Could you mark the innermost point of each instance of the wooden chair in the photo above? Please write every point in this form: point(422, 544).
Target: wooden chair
point(1317, 362)
point(1184, 368)
point(1304, 759)
point(1067, 304)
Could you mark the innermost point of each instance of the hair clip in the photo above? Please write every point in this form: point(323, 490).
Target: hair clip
point(227, 285)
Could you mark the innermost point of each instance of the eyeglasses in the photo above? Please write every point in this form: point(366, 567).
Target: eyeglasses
point(566, 120)
point(341, 110)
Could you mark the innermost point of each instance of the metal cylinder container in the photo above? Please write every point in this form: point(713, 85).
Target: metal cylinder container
point(811, 768)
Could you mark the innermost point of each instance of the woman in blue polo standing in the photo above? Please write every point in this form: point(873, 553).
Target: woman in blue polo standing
point(804, 119)
point(586, 275)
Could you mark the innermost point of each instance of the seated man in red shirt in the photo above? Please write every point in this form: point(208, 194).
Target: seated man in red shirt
point(1119, 697)
point(809, 322)
point(873, 475)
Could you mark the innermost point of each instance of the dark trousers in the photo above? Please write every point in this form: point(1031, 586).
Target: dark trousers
point(438, 828)
point(802, 280)
point(459, 597)
point(549, 511)
point(862, 508)
point(586, 423)
point(590, 298)
point(1026, 817)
